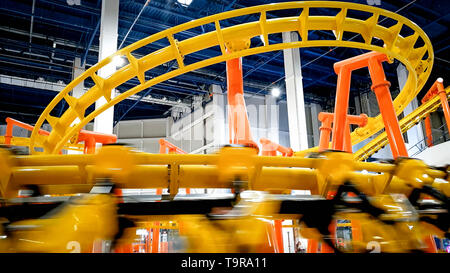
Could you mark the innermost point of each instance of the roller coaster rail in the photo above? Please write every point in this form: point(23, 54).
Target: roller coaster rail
point(418, 61)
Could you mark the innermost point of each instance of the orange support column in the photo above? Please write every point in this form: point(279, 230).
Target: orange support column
point(428, 131)
point(347, 139)
point(9, 132)
point(325, 131)
point(444, 101)
point(155, 240)
point(431, 244)
point(313, 246)
point(239, 126)
point(279, 235)
point(437, 89)
point(381, 88)
point(341, 107)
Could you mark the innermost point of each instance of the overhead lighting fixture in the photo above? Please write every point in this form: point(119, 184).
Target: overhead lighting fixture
point(185, 2)
point(179, 100)
point(262, 39)
point(276, 92)
point(141, 232)
point(164, 98)
point(118, 61)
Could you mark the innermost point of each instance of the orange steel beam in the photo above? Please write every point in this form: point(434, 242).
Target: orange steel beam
point(239, 126)
point(431, 244)
point(89, 138)
point(325, 129)
point(437, 89)
point(166, 145)
point(380, 86)
point(313, 246)
point(10, 123)
point(279, 235)
point(270, 148)
point(428, 131)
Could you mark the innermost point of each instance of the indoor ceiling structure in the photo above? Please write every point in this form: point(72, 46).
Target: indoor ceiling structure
point(40, 39)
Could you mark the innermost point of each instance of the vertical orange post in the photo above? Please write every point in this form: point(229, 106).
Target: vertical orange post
point(436, 89)
point(89, 145)
point(313, 246)
point(428, 131)
point(381, 88)
point(341, 107)
point(155, 241)
point(9, 132)
point(347, 139)
point(444, 103)
point(431, 244)
point(325, 131)
point(279, 235)
point(239, 126)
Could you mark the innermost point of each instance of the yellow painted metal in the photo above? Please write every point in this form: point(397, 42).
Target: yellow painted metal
point(418, 61)
point(405, 124)
point(130, 169)
point(248, 233)
point(81, 226)
point(405, 234)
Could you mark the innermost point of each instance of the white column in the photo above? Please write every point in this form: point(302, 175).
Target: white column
point(315, 110)
point(271, 118)
point(357, 105)
point(77, 91)
point(220, 127)
point(103, 123)
point(78, 69)
point(294, 95)
point(415, 134)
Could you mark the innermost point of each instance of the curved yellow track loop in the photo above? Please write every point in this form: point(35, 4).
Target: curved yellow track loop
point(396, 47)
point(405, 124)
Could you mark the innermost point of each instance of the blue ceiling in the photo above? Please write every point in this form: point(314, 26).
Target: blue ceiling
point(76, 31)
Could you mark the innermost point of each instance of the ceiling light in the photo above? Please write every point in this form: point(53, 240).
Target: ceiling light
point(185, 2)
point(164, 98)
point(179, 100)
point(142, 232)
point(262, 39)
point(118, 61)
point(276, 91)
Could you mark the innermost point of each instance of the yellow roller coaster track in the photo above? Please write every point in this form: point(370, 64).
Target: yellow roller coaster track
point(418, 61)
point(405, 124)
